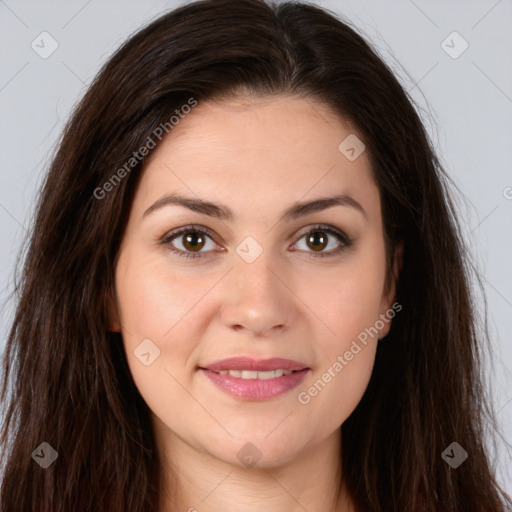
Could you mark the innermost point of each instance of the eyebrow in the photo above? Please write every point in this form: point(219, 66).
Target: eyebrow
point(222, 212)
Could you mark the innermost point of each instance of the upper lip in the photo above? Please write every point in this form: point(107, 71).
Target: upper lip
point(247, 363)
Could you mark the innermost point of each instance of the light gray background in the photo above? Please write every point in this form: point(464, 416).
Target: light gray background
point(466, 103)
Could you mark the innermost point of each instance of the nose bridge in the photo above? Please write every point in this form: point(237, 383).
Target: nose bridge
point(256, 299)
point(253, 263)
point(255, 276)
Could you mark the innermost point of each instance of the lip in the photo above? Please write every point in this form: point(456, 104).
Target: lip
point(255, 389)
point(261, 365)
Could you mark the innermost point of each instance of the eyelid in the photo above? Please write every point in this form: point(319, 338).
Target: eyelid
point(185, 229)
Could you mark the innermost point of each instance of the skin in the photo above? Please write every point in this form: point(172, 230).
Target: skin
point(258, 157)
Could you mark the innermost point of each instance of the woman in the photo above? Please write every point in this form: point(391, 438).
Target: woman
point(245, 287)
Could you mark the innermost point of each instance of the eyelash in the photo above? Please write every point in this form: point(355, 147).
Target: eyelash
point(342, 237)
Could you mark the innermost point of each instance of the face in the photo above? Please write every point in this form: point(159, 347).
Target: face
point(255, 276)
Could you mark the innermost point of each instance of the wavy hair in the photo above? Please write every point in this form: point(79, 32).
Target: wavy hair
point(70, 384)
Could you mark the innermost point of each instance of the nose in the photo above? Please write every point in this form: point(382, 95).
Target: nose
point(258, 297)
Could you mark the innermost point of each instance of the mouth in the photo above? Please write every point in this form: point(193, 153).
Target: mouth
point(251, 374)
point(252, 379)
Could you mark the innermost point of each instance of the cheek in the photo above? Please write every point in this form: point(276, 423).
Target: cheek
point(349, 305)
point(347, 382)
point(152, 306)
point(348, 299)
point(151, 300)
point(345, 367)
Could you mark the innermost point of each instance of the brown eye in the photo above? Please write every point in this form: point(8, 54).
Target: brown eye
point(188, 242)
point(321, 237)
point(193, 241)
point(317, 240)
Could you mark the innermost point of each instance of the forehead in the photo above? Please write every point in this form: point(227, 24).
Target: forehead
point(283, 127)
point(247, 151)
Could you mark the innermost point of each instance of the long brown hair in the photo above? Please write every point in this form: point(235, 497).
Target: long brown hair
point(70, 382)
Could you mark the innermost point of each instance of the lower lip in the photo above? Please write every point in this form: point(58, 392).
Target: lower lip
point(256, 389)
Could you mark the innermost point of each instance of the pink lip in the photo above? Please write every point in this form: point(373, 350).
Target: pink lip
point(261, 365)
point(256, 389)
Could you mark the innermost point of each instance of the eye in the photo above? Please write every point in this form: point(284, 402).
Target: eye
point(317, 239)
point(193, 239)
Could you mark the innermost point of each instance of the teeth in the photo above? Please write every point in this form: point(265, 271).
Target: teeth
point(251, 374)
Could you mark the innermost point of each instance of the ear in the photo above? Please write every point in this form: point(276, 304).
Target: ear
point(389, 295)
point(114, 323)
